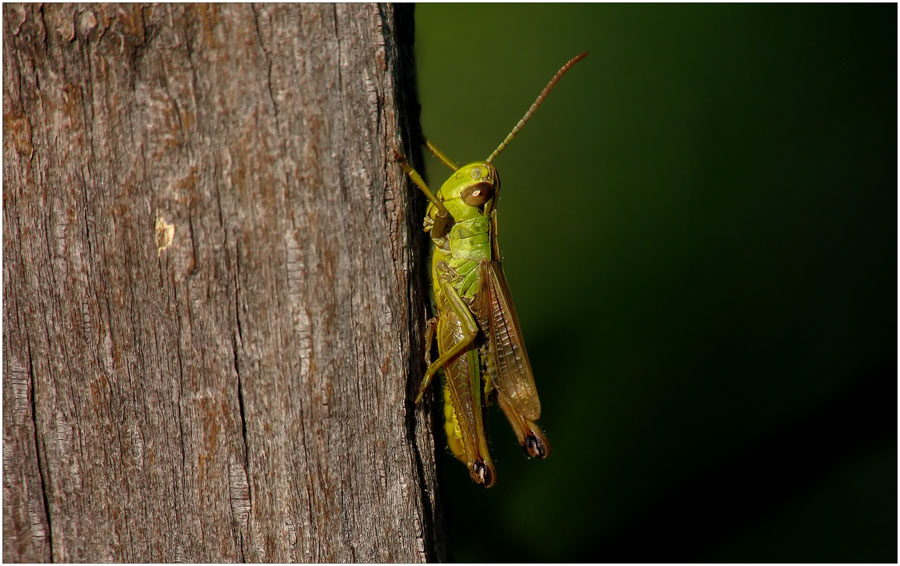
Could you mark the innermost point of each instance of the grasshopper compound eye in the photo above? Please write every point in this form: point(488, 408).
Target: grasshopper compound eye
point(477, 194)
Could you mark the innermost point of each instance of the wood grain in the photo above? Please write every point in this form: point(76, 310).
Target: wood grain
point(213, 301)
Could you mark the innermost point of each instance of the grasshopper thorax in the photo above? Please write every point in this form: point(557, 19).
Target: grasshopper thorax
point(469, 190)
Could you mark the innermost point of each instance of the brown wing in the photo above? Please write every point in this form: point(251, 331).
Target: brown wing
point(513, 377)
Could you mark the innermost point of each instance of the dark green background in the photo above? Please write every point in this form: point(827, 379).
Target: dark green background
point(699, 228)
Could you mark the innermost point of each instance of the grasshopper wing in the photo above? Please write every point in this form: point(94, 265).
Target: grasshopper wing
point(513, 377)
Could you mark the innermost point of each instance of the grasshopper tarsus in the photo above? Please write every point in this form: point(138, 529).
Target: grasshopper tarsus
point(482, 473)
point(535, 448)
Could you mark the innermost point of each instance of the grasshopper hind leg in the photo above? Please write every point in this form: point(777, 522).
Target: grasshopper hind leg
point(464, 427)
point(482, 473)
point(528, 433)
point(430, 327)
point(535, 447)
point(469, 329)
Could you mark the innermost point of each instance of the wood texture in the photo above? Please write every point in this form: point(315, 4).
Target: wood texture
point(213, 306)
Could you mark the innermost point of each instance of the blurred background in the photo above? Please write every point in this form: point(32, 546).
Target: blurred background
point(699, 228)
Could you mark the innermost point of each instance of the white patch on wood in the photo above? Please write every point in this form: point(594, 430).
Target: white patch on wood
point(165, 233)
point(87, 21)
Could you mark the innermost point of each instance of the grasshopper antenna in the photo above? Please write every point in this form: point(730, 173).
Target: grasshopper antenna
point(537, 102)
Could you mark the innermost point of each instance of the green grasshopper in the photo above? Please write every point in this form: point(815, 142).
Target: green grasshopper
point(479, 339)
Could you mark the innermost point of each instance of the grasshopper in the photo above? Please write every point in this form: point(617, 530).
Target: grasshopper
point(480, 344)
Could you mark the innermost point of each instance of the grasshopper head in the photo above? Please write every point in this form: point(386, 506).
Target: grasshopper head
point(470, 188)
